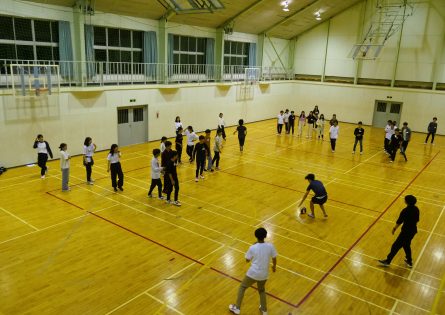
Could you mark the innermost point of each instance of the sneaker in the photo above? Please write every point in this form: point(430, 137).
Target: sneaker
point(217, 168)
point(150, 196)
point(262, 312)
point(161, 198)
point(424, 143)
point(333, 151)
point(361, 153)
point(91, 182)
point(121, 189)
point(391, 161)
point(202, 176)
point(115, 189)
point(408, 264)
point(196, 179)
point(384, 262)
point(176, 203)
point(42, 177)
point(234, 309)
point(311, 215)
point(65, 190)
point(353, 152)
point(168, 202)
point(211, 170)
point(205, 170)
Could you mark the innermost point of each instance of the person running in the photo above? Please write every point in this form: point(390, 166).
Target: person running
point(432, 128)
point(156, 175)
point(221, 125)
point(320, 197)
point(408, 218)
point(406, 137)
point(209, 156)
point(259, 254)
point(310, 124)
point(394, 145)
point(242, 133)
point(191, 138)
point(43, 150)
point(65, 166)
point(114, 165)
point(178, 143)
point(217, 149)
point(301, 123)
point(200, 154)
point(320, 126)
point(280, 122)
point(358, 133)
point(286, 120)
point(178, 123)
point(292, 118)
point(88, 151)
point(333, 134)
point(171, 179)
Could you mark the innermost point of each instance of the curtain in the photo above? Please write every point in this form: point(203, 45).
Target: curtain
point(252, 55)
point(89, 47)
point(210, 57)
point(65, 50)
point(170, 46)
point(150, 54)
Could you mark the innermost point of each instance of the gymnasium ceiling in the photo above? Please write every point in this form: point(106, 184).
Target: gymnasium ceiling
point(249, 16)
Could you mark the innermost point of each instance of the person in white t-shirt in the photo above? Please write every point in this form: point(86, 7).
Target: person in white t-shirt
point(43, 151)
point(286, 120)
point(280, 122)
point(114, 165)
point(191, 138)
point(88, 151)
point(178, 123)
point(389, 131)
point(221, 125)
point(156, 170)
point(64, 166)
point(259, 254)
point(333, 134)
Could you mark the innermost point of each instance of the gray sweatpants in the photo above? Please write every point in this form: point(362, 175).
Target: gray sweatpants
point(247, 282)
point(65, 178)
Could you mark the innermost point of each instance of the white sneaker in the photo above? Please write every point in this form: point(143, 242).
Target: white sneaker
point(176, 203)
point(333, 151)
point(353, 152)
point(202, 176)
point(196, 179)
point(234, 309)
point(150, 196)
point(361, 153)
point(263, 312)
point(168, 202)
point(161, 198)
point(42, 177)
point(90, 182)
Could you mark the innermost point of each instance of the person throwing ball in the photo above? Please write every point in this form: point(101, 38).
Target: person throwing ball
point(320, 197)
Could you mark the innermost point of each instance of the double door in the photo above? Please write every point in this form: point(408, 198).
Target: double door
point(386, 110)
point(132, 125)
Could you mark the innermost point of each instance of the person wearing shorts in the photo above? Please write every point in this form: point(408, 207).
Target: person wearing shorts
point(320, 197)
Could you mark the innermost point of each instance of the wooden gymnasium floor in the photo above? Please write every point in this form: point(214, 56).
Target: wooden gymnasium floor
point(93, 251)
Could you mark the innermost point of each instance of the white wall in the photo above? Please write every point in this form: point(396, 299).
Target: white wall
point(274, 50)
point(71, 116)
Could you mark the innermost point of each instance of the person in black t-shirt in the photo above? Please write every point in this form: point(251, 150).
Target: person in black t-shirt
point(171, 179)
point(432, 128)
point(292, 122)
point(242, 132)
point(178, 143)
point(200, 154)
point(320, 197)
point(409, 218)
point(394, 144)
point(358, 133)
point(310, 124)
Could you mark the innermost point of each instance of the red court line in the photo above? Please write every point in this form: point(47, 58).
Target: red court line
point(292, 189)
point(185, 256)
point(361, 236)
point(66, 201)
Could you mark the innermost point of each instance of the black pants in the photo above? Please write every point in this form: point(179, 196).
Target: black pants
point(88, 166)
point(286, 125)
point(403, 241)
point(179, 150)
point(291, 127)
point(41, 162)
point(241, 141)
point(200, 164)
point(223, 132)
point(386, 145)
point(392, 152)
point(361, 144)
point(154, 183)
point(116, 172)
point(333, 141)
point(432, 137)
point(189, 151)
point(279, 128)
point(169, 187)
point(404, 146)
point(215, 158)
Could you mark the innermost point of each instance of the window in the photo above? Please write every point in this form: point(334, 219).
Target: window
point(189, 51)
point(138, 114)
point(236, 56)
point(114, 45)
point(27, 39)
point(395, 108)
point(122, 116)
point(381, 107)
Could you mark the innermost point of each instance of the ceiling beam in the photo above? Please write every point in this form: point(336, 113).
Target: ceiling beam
point(233, 18)
point(289, 17)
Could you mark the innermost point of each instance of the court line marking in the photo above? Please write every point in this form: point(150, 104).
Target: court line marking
point(162, 281)
point(426, 243)
point(364, 233)
point(20, 219)
point(305, 235)
point(438, 296)
point(160, 301)
point(285, 257)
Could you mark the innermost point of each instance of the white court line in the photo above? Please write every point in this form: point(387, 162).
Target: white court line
point(160, 301)
point(393, 309)
point(51, 226)
point(161, 282)
point(20, 219)
point(426, 244)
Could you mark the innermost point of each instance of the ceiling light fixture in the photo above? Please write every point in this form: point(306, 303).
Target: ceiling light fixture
point(285, 5)
point(317, 15)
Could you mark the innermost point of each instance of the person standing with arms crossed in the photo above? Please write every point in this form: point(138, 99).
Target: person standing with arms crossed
point(259, 254)
point(409, 217)
point(358, 133)
point(432, 128)
point(320, 198)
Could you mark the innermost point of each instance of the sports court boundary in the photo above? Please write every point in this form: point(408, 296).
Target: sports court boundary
point(305, 298)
